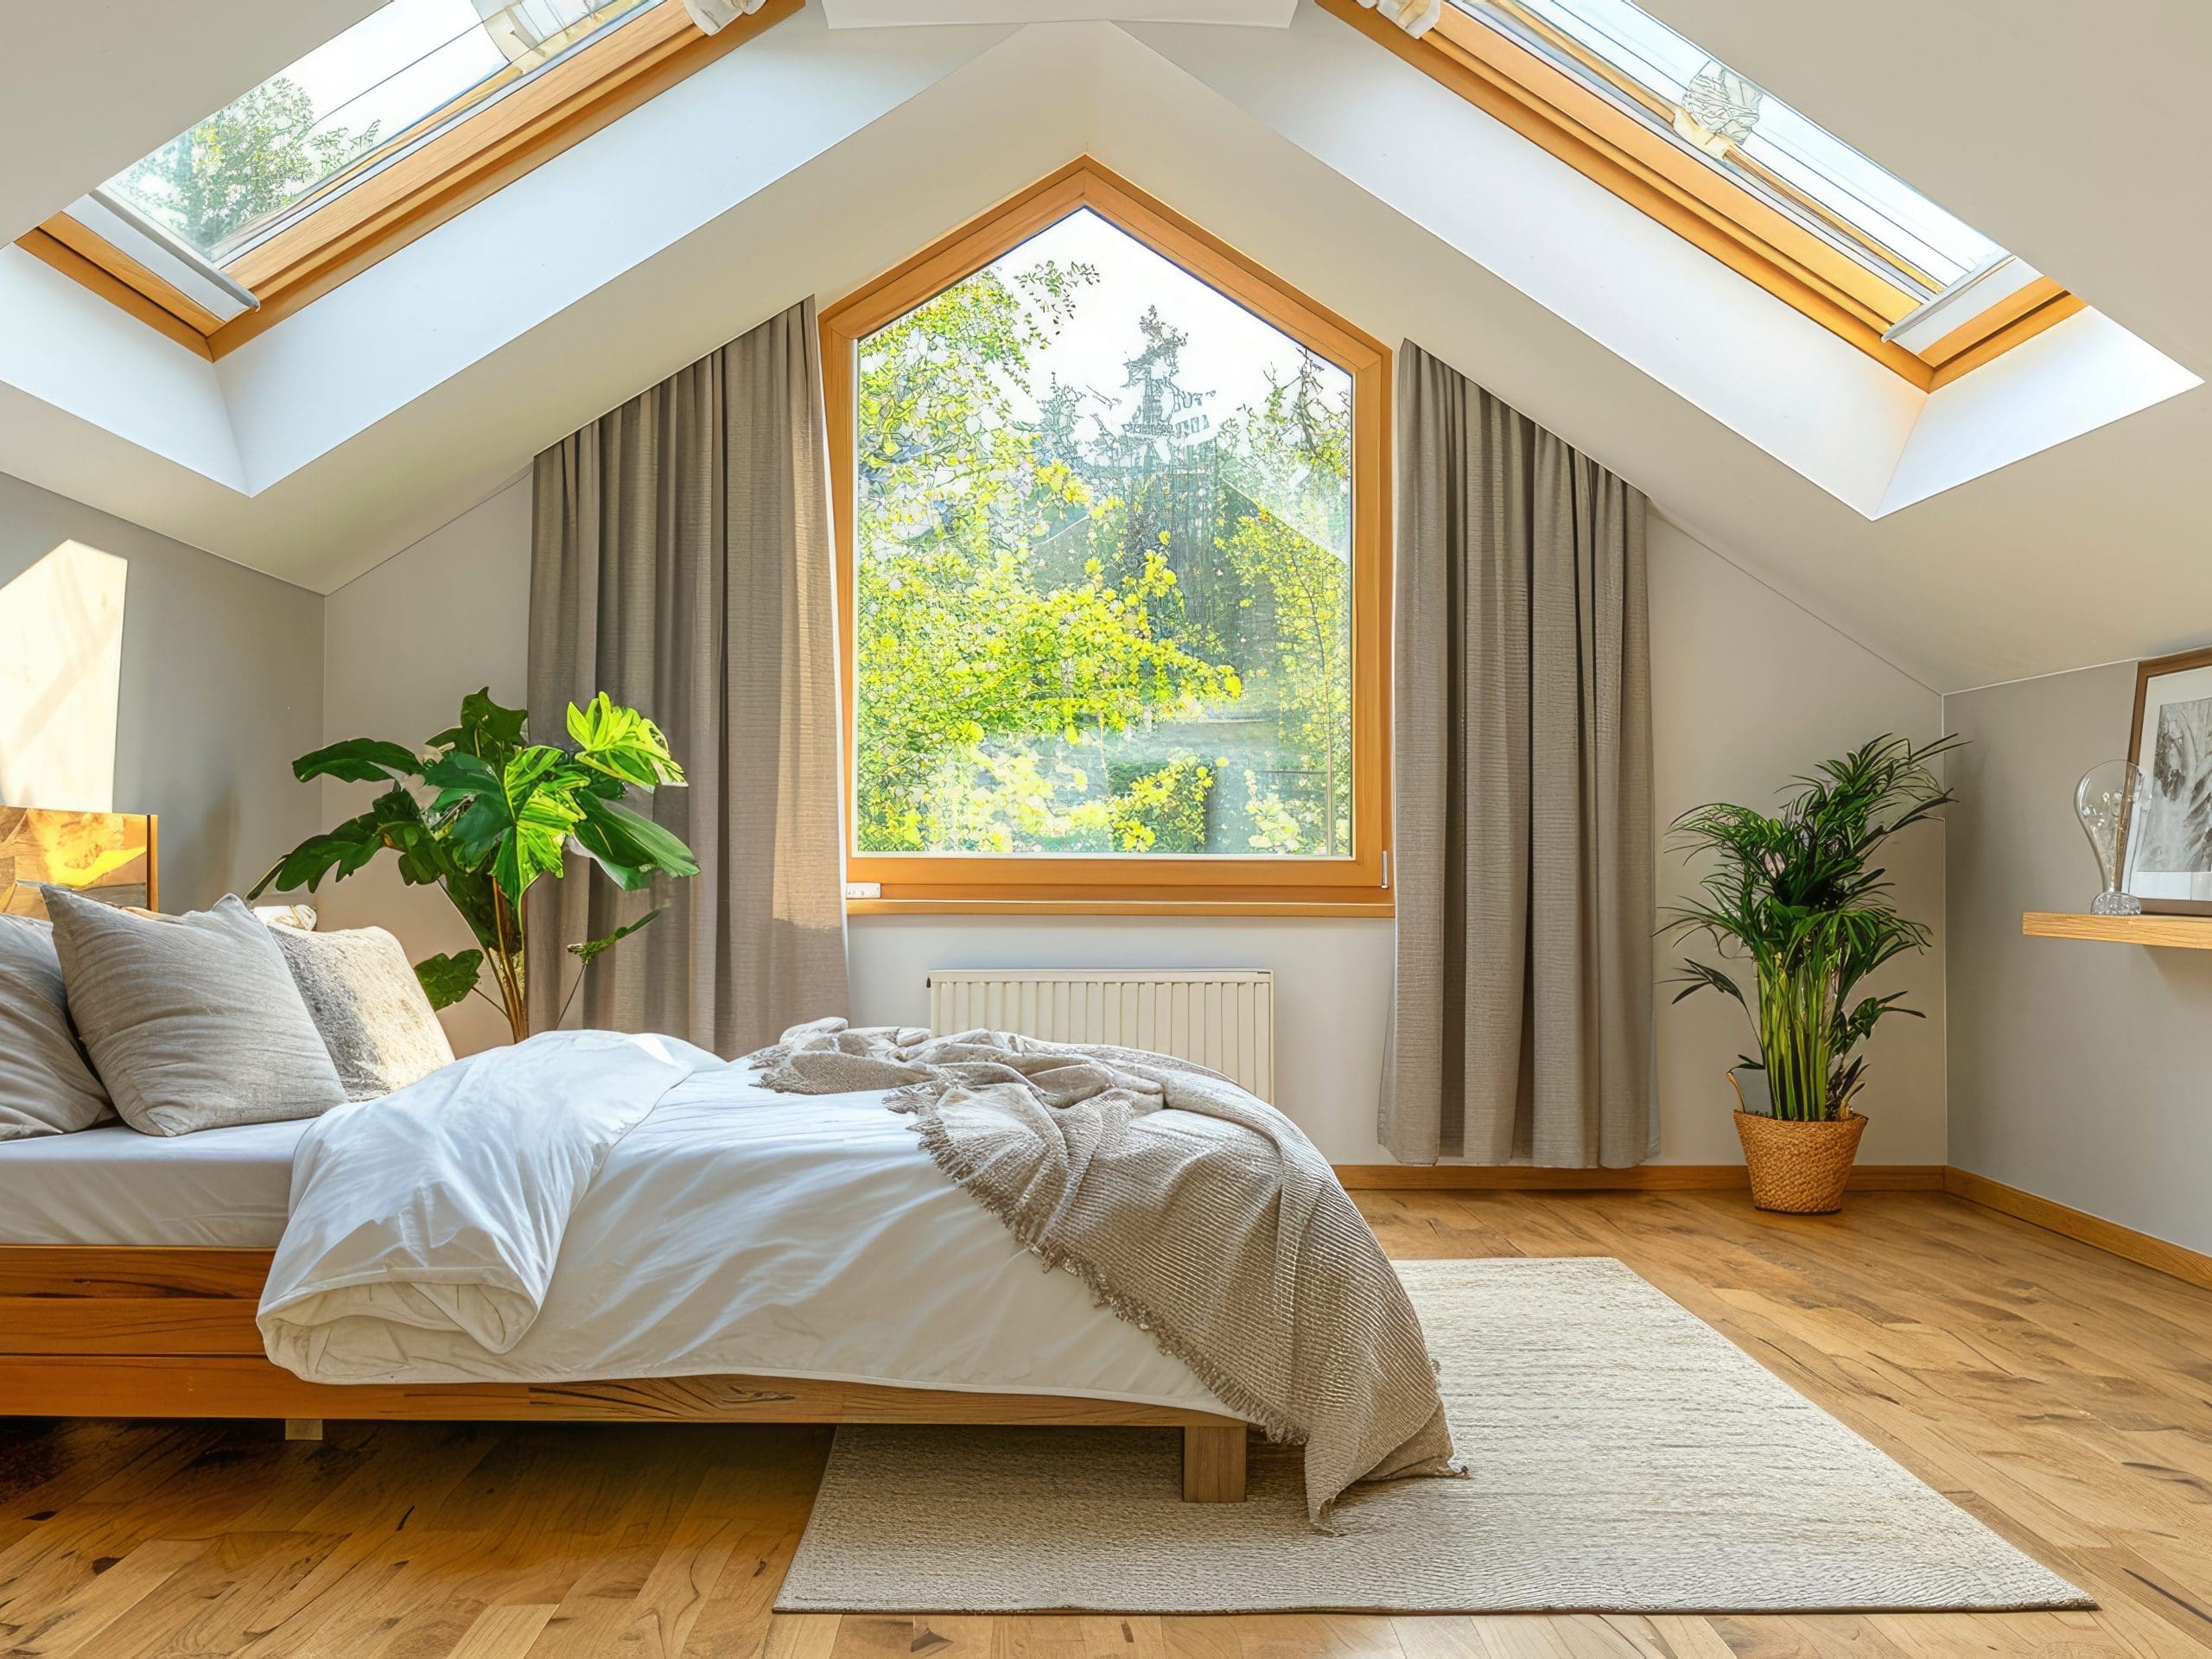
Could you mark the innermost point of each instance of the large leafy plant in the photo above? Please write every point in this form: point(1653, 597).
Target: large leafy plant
point(1799, 897)
point(483, 814)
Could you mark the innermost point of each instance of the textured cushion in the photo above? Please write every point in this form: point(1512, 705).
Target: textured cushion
point(46, 1087)
point(191, 1021)
point(363, 996)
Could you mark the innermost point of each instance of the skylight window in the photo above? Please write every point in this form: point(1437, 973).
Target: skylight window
point(1646, 69)
point(376, 138)
point(404, 73)
point(1719, 160)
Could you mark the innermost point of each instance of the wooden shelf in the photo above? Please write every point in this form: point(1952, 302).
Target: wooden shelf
point(2186, 932)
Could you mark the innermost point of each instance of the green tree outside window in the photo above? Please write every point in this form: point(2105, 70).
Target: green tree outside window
point(1094, 620)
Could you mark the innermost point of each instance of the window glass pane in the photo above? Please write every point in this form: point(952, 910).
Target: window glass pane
point(1104, 581)
point(1628, 38)
point(1863, 194)
point(404, 69)
point(1760, 140)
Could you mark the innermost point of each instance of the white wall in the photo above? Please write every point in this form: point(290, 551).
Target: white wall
point(2077, 1070)
point(1748, 689)
point(1333, 989)
point(218, 687)
point(402, 645)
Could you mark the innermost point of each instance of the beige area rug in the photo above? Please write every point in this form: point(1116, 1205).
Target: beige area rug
point(1625, 1457)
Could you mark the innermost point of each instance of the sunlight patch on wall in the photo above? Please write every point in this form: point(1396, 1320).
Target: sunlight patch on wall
point(62, 680)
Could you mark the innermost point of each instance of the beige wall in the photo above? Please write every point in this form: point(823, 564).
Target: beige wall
point(2078, 1071)
point(220, 688)
point(1748, 689)
point(2072, 1068)
point(402, 644)
point(2074, 1071)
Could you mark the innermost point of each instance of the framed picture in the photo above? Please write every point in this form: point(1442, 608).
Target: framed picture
point(2171, 740)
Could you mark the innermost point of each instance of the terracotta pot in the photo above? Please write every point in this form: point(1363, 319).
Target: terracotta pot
point(1800, 1169)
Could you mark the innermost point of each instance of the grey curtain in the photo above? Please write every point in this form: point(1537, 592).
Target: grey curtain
point(1522, 1029)
point(680, 562)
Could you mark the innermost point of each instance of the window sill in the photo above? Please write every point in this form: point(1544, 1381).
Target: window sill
point(1383, 906)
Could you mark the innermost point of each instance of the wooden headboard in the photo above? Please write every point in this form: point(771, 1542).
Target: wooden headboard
point(110, 857)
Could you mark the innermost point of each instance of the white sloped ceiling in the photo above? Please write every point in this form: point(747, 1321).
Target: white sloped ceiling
point(817, 156)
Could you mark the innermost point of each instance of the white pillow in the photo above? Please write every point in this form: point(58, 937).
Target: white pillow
point(362, 993)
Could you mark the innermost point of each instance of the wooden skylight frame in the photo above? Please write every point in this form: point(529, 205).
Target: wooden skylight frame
point(1164, 884)
point(412, 193)
point(1549, 106)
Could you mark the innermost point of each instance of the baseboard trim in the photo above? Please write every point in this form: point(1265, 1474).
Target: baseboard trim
point(2081, 1226)
point(1644, 1178)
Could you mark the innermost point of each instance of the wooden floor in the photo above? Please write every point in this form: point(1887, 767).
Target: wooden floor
point(2064, 1396)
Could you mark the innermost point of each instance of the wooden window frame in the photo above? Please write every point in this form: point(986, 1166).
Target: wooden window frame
point(1136, 884)
point(1546, 104)
point(93, 262)
point(410, 196)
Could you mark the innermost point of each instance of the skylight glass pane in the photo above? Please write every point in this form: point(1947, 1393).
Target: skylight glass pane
point(404, 70)
point(1642, 66)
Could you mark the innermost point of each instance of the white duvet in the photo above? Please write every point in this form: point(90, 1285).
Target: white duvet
point(589, 1205)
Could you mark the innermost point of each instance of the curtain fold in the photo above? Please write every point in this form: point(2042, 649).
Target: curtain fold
point(1522, 1022)
point(682, 562)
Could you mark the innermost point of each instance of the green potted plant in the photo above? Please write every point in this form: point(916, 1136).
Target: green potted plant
point(502, 811)
point(1798, 899)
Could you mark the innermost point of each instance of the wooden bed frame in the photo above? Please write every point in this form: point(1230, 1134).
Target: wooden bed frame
point(146, 1331)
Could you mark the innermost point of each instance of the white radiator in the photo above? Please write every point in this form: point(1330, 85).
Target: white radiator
point(1221, 1018)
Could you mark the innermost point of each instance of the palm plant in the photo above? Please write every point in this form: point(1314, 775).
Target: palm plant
point(1799, 897)
point(503, 813)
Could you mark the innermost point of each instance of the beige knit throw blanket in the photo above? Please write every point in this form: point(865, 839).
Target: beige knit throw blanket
point(1191, 1207)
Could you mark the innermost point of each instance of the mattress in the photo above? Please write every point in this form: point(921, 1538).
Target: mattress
point(734, 1231)
point(114, 1185)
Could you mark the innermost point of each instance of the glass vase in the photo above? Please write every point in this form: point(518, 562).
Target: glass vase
point(2109, 798)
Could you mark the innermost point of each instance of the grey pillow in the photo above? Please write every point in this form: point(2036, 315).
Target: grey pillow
point(191, 1021)
point(46, 1087)
point(362, 993)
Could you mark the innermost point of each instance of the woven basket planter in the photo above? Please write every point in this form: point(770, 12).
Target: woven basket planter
point(1800, 1169)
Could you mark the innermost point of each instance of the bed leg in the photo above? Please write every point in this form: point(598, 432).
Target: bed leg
point(303, 1428)
point(1213, 1464)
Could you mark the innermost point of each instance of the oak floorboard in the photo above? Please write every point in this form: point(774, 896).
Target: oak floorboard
point(505, 1631)
point(1428, 1638)
point(2062, 1395)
